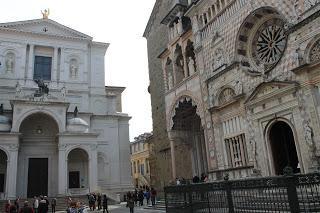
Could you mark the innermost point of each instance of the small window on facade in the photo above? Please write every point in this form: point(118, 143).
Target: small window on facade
point(42, 67)
point(235, 141)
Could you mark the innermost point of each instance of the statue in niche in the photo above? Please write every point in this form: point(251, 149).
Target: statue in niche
point(170, 80)
point(308, 134)
point(73, 68)
point(9, 62)
point(191, 66)
point(238, 88)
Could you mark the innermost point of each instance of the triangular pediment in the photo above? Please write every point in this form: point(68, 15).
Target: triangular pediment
point(44, 27)
point(270, 89)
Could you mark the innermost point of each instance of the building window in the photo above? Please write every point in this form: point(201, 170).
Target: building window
point(142, 169)
point(235, 141)
point(42, 68)
point(134, 168)
point(236, 150)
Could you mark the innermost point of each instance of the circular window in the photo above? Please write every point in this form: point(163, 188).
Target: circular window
point(268, 44)
point(261, 41)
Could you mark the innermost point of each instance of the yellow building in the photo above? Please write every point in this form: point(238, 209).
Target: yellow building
point(141, 149)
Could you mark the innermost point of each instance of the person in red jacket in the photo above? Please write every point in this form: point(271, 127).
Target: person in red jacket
point(7, 206)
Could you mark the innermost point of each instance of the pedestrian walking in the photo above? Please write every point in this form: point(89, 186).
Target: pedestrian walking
point(153, 196)
point(147, 196)
point(99, 201)
point(130, 202)
point(53, 205)
point(26, 208)
point(105, 204)
point(35, 204)
point(140, 197)
point(16, 203)
point(42, 206)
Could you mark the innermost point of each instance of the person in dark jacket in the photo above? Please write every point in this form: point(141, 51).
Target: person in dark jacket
point(99, 201)
point(130, 202)
point(42, 206)
point(105, 204)
point(53, 205)
point(13, 209)
point(26, 208)
point(16, 203)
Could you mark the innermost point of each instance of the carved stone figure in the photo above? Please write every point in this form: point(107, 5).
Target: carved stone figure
point(238, 88)
point(43, 88)
point(45, 13)
point(75, 112)
point(18, 89)
point(9, 62)
point(308, 134)
point(191, 66)
point(170, 80)
point(218, 59)
point(73, 69)
point(63, 91)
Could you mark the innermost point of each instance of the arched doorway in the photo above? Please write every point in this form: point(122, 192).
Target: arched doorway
point(78, 170)
point(3, 171)
point(191, 155)
point(38, 156)
point(283, 148)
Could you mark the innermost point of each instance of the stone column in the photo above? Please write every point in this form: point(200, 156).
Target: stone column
point(31, 62)
point(62, 171)
point(12, 167)
point(173, 157)
point(55, 65)
point(93, 172)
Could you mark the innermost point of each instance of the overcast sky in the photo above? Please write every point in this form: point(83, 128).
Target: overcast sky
point(119, 22)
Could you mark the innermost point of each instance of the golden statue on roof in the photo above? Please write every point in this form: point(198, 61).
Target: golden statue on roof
point(45, 13)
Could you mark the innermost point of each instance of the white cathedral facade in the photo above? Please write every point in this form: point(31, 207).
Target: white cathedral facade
point(62, 131)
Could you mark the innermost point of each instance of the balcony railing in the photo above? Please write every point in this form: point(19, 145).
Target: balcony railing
point(294, 193)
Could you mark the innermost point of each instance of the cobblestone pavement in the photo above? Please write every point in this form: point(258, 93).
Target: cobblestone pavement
point(122, 209)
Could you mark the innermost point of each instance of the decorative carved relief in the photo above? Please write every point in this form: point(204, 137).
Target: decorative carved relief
point(219, 59)
point(310, 3)
point(226, 95)
point(315, 52)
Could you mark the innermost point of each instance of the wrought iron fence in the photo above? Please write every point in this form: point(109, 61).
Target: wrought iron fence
point(295, 193)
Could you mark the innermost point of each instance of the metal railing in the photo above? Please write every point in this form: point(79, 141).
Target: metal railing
point(294, 193)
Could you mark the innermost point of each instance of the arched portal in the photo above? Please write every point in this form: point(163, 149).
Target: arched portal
point(38, 156)
point(3, 170)
point(190, 141)
point(283, 148)
point(78, 169)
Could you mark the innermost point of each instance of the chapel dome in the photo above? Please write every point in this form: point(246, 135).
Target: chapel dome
point(5, 123)
point(77, 125)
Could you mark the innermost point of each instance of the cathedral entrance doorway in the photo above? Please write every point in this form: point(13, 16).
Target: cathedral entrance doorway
point(38, 177)
point(38, 156)
point(190, 141)
point(283, 148)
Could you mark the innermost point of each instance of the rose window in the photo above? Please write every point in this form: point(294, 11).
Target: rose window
point(269, 44)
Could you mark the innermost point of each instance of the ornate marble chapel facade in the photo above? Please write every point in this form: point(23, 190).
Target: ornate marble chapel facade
point(242, 86)
point(62, 131)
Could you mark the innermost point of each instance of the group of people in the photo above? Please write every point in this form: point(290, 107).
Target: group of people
point(98, 201)
point(40, 205)
point(137, 197)
point(195, 179)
